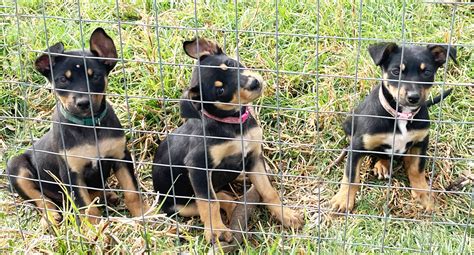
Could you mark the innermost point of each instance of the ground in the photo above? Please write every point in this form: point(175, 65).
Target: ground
point(323, 71)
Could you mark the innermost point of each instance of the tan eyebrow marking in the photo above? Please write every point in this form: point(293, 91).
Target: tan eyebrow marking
point(218, 84)
point(223, 66)
point(90, 72)
point(68, 74)
point(422, 66)
point(402, 67)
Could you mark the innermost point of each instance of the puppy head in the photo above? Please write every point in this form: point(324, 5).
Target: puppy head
point(416, 73)
point(73, 80)
point(218, 79)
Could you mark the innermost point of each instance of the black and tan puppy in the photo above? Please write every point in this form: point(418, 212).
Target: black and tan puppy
point(403, 127)
point(76, 161)
point(191, 165)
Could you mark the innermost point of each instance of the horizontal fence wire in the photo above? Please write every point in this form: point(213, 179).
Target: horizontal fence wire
point(29, 123)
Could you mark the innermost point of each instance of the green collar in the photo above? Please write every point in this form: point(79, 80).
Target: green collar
point(87, 121)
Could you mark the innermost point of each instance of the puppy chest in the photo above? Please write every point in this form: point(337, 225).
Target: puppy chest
point(394, 143)
point(87, 155)
point(231, 149)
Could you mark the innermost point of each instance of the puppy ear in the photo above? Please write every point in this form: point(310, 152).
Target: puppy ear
point(439, 53)
point(190, 109)
point(101, 45)
point(201, 47)
point(379, 52)
point(42, 63)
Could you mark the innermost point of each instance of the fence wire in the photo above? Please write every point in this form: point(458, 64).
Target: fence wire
point(24, 121)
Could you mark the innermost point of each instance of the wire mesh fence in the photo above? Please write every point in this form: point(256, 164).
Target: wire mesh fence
point(314, 61)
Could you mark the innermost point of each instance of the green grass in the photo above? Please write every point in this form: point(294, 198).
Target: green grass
point(306, 135)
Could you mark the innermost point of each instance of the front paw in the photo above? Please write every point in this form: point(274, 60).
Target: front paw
point(50, 218)
point(221, 233)
point(426, 200)
point(288, 217)
point(382, 169)
point(342, 202)
point(93, 215)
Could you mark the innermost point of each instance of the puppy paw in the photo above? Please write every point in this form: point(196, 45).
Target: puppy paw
point(50, 218)
point(93, 215)
point(218, 233)
point(112, 198)
point(382, 169)
point(342, 202)
point(288, 217)
point(425, 199)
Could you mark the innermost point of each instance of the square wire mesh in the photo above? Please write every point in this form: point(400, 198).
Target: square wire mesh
point(301, 113)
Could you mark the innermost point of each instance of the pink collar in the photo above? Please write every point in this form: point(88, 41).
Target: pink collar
point(393, 112)
point(229, 120)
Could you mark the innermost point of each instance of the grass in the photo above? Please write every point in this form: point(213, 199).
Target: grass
point(315, 85)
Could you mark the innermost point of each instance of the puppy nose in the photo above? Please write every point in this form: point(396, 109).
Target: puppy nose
point(83, 104)
point(255, 84)
point(413, 98)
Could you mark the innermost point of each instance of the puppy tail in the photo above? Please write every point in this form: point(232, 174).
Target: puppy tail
point(439, 98)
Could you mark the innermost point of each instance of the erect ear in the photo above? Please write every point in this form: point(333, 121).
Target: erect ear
point(439, 53)
point(42, 63)
point(101, 45)
point(201, 47)
point(380, 51)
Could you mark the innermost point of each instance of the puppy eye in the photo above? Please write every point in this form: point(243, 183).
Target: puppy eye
point(395, 71)
point(220, 91)
point(427, 72)
point(95, 77)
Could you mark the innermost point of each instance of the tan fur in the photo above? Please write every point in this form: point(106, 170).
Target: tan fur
point(418, 180)
point(29, 188)
point(132, 198)
point(344, 200)
point(90, 72)
point(68, 74)
point(385, 79)
point(189, 210)
point(214, 228)
point(251, 141)
point(223, 67)
point(258, 176)
point(66, 100)
point(424, 93)
point(218, 84)
point(373, 141)
point(422, 66)
point(227, 203)
point(382, 169)
point(402, 67)
point(79, 156)
point(97, 98)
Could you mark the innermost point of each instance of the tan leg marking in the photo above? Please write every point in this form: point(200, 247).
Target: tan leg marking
point(112, 197)
point(189, 210)
point(92, 212)
point(418, 180)
point(43, 203)
point(132, 199)
point(211, 216)
point(382, 169)
point(288, 217)
point(226, 203)
point(344, 200)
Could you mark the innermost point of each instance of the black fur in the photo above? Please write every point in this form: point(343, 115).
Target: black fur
point(46, 158)
point(419, 65)
point(186, 146)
